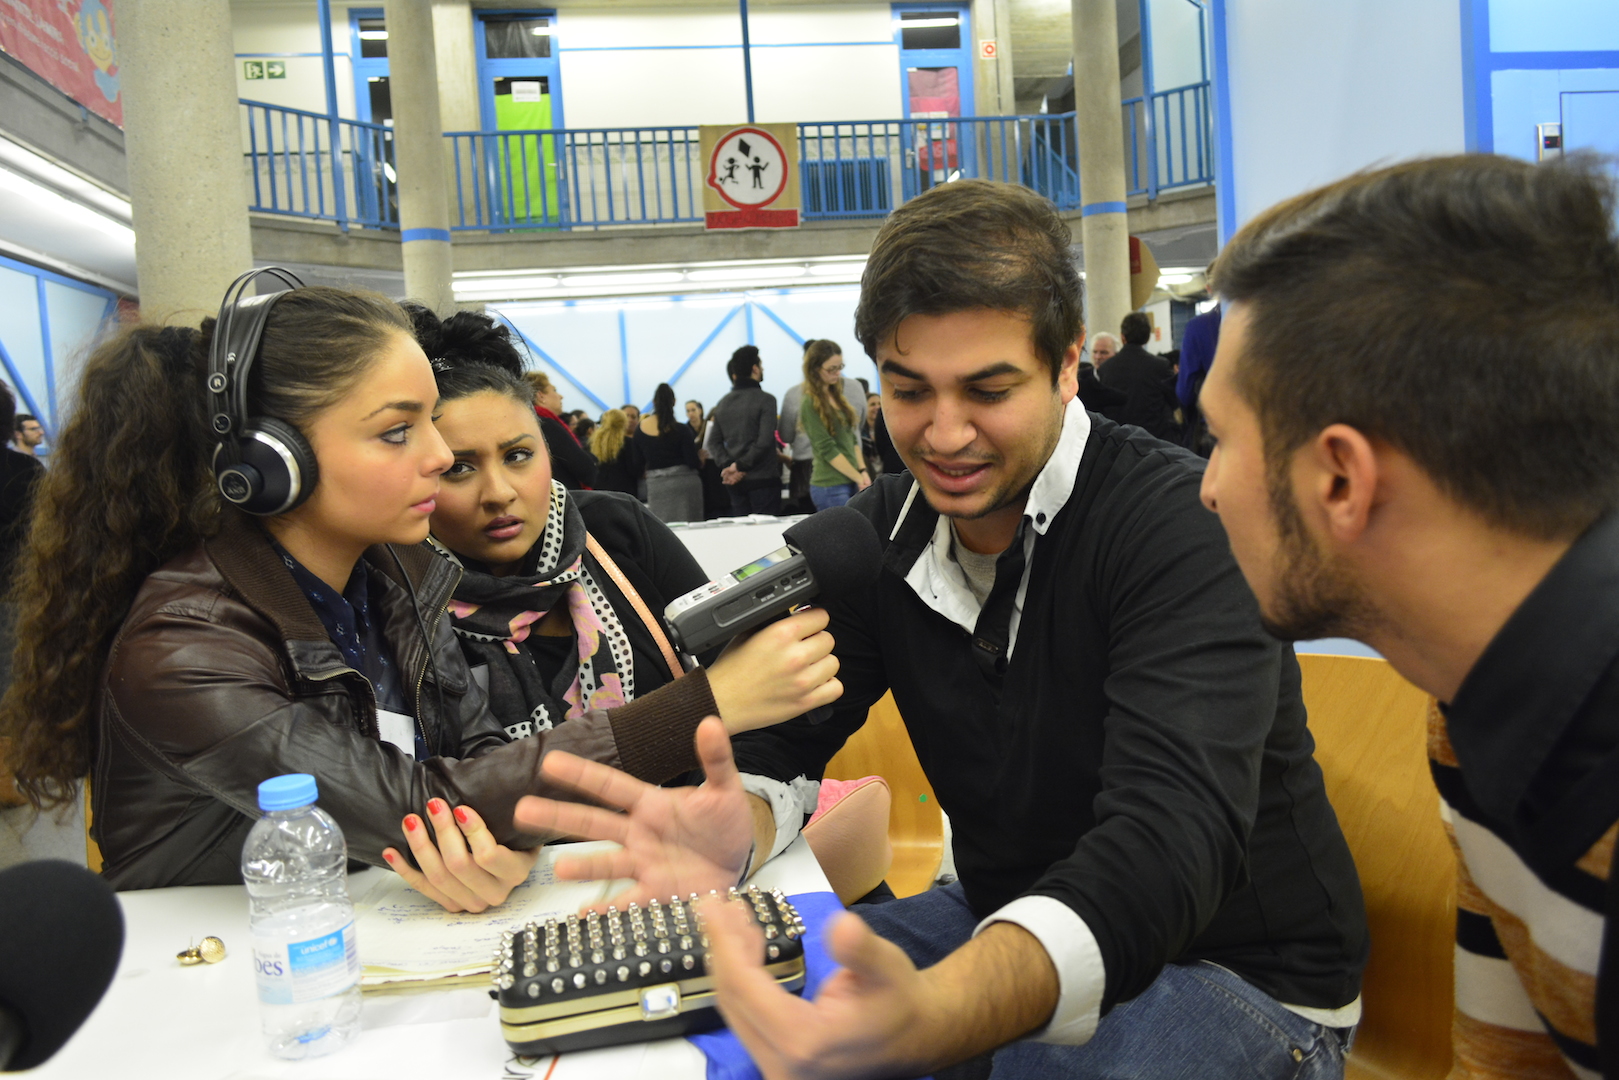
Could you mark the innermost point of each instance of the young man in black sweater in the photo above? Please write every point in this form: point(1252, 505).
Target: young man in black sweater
point(1403, 461)
point(1152, 881)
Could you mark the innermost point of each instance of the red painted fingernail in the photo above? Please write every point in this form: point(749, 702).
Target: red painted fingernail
point(388, 855)
point(435, 806)
point(461, 815)
point(412, 823)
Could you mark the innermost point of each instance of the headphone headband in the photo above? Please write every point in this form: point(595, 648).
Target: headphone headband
point(261, 464)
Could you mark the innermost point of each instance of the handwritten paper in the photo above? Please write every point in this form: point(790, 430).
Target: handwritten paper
point(406, 937)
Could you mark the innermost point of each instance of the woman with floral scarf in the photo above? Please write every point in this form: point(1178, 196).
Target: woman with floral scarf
point(557, 607)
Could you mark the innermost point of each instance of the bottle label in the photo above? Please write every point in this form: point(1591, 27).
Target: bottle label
point(296, 972)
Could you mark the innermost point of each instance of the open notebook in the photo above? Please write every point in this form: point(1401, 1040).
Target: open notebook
point(408, 942)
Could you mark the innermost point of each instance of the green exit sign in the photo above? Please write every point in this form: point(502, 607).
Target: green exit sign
point(264, 69)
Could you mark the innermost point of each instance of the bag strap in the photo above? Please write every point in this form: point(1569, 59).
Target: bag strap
point(1607, 998)
point(670, 657)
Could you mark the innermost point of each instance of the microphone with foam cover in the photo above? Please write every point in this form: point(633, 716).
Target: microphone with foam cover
point(841, 548)
point(63, 933)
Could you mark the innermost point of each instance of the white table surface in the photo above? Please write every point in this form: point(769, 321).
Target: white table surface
point(724, 544)
point(166, 1022)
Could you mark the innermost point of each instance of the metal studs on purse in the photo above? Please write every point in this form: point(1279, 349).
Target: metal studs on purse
point(630, 976)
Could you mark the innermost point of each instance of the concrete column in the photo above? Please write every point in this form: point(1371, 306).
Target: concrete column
point(455, 45)
point(424, 202)
point(992, 21)
point(183, 140)
point(1105, 228)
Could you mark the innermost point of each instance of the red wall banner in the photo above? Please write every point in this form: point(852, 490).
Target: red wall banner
point(70, 44)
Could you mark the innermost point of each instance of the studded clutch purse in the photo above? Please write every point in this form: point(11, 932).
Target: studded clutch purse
point(627, 976)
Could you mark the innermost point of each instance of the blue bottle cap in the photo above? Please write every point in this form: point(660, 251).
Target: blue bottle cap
point(287, 792)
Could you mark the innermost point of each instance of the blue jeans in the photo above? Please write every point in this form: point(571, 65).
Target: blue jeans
point(1195, 1021)
point(835, 495)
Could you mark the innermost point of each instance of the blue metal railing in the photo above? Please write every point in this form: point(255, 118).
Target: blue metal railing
point(288, 154)
point(594, 178)
point(866, 168)
point(606, 177)
point(1171, 144)
point(576, 177)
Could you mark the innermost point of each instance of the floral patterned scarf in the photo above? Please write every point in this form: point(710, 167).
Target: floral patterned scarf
point(494, 616)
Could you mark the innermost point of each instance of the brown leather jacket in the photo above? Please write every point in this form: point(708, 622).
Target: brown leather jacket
point(223, 676)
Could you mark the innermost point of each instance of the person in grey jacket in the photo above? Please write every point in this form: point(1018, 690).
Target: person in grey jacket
point(742, 438)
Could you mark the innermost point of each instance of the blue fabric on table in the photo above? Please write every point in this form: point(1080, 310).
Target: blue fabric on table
point(727, 1060)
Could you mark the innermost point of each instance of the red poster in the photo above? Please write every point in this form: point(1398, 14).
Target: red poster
point(69, 44)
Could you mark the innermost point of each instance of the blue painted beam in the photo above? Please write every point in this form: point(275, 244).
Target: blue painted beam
point(709, 340)
point(528, 342)
point(779, 321)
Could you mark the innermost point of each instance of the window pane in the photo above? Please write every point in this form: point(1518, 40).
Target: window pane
point(373, 38)
point(929, 30)
point(382, 106)
point(516, 39)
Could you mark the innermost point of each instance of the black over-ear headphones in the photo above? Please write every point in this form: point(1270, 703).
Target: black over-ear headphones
point(263, 465)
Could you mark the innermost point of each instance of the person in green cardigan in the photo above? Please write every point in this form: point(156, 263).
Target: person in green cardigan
point(830, 421)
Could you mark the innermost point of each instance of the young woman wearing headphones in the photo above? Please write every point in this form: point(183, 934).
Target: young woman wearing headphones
point(179, 649)
point(558, 589)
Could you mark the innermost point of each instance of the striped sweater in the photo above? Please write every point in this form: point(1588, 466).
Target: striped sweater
point(1526, 759)
point(1526, 947)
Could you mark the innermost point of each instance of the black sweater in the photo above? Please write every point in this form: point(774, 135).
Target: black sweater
point(1146, 760)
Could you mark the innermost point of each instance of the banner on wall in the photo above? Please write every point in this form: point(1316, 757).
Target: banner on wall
point(752, 180)
point(70, 44)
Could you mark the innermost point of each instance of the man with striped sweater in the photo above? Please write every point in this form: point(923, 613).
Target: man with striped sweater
point(1404, 459)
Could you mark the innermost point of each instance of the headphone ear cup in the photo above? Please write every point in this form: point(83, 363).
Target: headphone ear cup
point(284, 463)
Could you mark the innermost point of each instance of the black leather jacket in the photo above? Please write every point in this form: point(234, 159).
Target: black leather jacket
point(222, 676)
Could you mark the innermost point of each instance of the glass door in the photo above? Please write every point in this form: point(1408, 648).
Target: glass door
point(520, 92)
point(936, 64)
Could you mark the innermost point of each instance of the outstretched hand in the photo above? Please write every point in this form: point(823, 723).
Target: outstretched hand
point(673, 841)
point(867, 1019)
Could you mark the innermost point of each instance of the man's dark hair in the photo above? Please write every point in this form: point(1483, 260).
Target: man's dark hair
point(1465, 310)
point(8, 407)
point(1135, 328)
point(972, 245)
point(741, 364)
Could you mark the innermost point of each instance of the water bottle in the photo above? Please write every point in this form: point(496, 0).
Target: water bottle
point(304, 953)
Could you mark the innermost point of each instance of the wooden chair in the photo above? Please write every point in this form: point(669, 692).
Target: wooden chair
point(915, 825)
point(1371, 740)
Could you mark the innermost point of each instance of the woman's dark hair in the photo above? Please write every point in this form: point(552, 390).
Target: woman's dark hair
point(1463, 309)
point(131, 486)
point(741, 364)
point(471, 354)
point(974, 245)
point(663, 407)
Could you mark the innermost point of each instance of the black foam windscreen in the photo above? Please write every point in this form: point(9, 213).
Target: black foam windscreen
point(63, 935)
point(841, 548)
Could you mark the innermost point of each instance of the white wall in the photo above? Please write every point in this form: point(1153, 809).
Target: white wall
point(1176, 46)
point(294, 28)
point(1321, 90)
point(1554, 25)
point(661, 333)
point(660, 66)
point(630, 66)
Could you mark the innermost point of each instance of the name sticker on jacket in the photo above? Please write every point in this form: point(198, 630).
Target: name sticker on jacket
point(398, 729)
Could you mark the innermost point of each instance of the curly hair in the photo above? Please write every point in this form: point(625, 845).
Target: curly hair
point(131, 486)
point(471, 354)
point(827, 400)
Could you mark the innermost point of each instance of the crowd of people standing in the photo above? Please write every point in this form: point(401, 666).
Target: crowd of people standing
point(747, 455)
